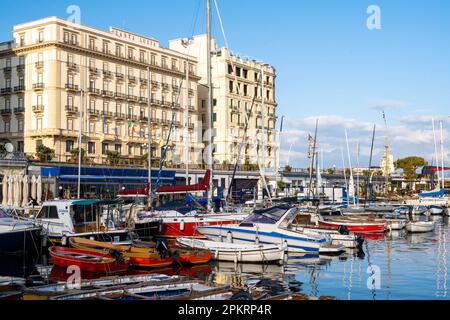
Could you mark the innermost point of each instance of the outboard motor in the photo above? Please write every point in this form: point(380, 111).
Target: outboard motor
point(343, 230)
point(162, 248)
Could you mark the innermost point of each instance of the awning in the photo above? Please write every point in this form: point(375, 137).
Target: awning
point(112, 178)
point(95, 202)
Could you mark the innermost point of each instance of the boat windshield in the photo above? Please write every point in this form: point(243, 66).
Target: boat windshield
point(269, 216)
point(289, 219)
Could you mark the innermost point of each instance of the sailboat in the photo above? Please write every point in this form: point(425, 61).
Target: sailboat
point(183, 223)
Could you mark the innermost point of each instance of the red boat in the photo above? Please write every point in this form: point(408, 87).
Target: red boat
point(88, 261)
point(190, 257)
point(354, 226)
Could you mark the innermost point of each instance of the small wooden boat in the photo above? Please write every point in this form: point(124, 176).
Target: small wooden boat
point(142, 256)
point(189, 256)
point(420, 226)
point(11, 292)
point(88, 261)
point(355, 226)
point(237, 252)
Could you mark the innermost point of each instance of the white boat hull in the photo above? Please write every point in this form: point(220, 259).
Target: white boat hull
point(419, 227)
point(294, 241)
point(237, 252)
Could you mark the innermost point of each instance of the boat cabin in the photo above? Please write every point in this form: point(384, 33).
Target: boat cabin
point(76, 216)
point(280, 216)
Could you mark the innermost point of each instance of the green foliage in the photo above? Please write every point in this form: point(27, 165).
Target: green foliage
point(410, 165)
point(74, 155)
point(112, 157)
point(287, 169)
point(44, 153)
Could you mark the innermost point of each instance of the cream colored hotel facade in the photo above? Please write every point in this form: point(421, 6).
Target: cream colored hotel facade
point(123, 82)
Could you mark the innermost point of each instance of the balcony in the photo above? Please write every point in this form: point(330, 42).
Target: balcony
point(191, 109)
point(106, 93)
point(165, 122)
point(133, 98)
point(191, 126)
point(132, 117)
point(38, 109)
point(93, 71)
point(143, 100)
point(143, 119)
point(19, 110)
point(144, 82)
point(165, 86)
point(39, 86)
point(120, 96)
point(94, 91)
point(7, 90)
point(132, 79)
point(107, 114)
point(93, 48)
point(72, 87)
point(155, 84)
point(175, 87)
point(72, 66)
point(107, 74)
point(93, 113)
point(156, 102)
point(20, 68)
point(5, 112)
point(120, 76)
point(191, 92)
point(19, 89)
point(39, 64)
point(71, 109)
point(7, 70)
point(120, 116)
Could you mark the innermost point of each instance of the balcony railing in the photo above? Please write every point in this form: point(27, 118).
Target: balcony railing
point(94, 91)
point(5, 112)
point(38, 108)
point(131, 78)
point(72, 66)
point(132, 117)
point(19, 110)
point(120, 76)
point(133, 98)
point(107, 114)
point(143, 119)
point(107, 93)
point(119, 116)
point(20, 88)
point(71, 109)
point(72, 87)
point(6, 90)
point(38, 86)
point(93, 112)
point(7, 69)
point(20, 67)
point(120, 96)
point(40, 64)
point(107, 74)
point(143, 100)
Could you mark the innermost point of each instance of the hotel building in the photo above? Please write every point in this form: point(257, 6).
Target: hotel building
point(56, 75)
point(243, 90)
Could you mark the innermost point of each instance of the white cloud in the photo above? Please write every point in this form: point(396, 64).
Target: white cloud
point(383, 104)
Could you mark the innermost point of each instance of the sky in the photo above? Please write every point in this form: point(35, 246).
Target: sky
point(330, 65)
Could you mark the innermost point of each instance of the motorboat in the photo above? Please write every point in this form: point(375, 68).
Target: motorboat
point(419, 210)
point(63, 219)
point(436, 210)
point(18, 235)
point(420, 226)
point(354, 225)
point(269, 226)
point(237, 252)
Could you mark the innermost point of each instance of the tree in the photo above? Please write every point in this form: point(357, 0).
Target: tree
point(287, 169)
point(112, 157)
point(74, 155)
point(410, 165)
point(2, 148)
point(44, 153)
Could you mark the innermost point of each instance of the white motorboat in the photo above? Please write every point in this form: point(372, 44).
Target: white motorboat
point(420, 226)
point(395, 224)
point(270, 226)
point(63, 219)
point(436, 210)
point(236, 252)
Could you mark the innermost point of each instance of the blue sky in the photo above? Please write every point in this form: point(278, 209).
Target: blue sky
point(329, 64)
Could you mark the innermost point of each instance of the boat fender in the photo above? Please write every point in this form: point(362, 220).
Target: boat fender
point(343, 230)
point(64, 241)
point(257, 241)
point(229, 237)
point(182, 225)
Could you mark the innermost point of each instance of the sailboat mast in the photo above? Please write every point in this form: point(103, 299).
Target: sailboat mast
point(210, 104)
point(345, 174)
point(370, 163)
point(80, 137)
point(442, 155)
point(350, 164)
point(149, 125)
point(436, 153)
point(386, 155)
point(311, 168)
point(186, 124)
point(357, 172)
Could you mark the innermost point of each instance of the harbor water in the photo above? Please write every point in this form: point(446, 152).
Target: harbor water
point(396, 266)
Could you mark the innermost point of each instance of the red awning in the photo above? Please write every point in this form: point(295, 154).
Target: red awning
point(135, 192)
point(203, 185)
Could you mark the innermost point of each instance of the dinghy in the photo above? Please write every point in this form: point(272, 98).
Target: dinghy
point(146, 257)
point(436, 210)
point(235, 252)
point(354, 225)
point(88, 261)
point(420, 226)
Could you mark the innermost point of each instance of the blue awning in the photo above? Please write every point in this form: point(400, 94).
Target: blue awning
point(106, 179)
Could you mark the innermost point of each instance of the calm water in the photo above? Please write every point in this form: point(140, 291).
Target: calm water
point(397, 266)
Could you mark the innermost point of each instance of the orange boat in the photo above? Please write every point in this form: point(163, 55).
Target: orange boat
point(144, 257)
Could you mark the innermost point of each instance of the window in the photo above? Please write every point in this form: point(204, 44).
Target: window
point(20, 125)
point(105, 47)
point(92, 43)
point(48, 212)
point(41, 36)
point(118, 148)
point(7, 127)
point(105, 147)
point(69, 146)
point(130, 150)
point(74, 39)
point(20, 146)
point(230, 69)
point(22, 40)
point(39, 124)
point(203, 104)
point(105, 127)
point(91, 127)
point(91, 147)
point(70, 124)
point(214, 117)
point(39, 100)
point(230, 86)
point(66, 37)
point(153, 59)
point(8, 104)
point(142, 56)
